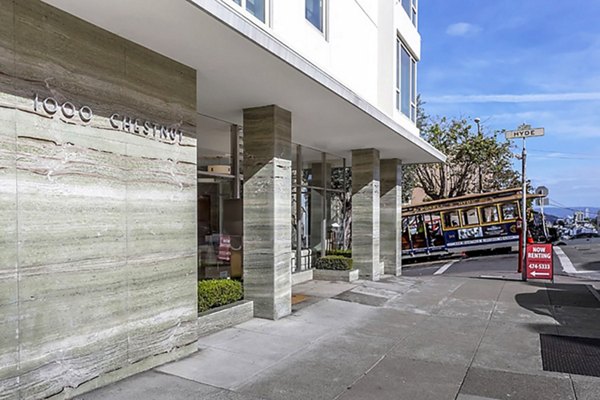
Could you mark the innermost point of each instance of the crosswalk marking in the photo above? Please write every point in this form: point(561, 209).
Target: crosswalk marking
point(566, 263)
point(445, 267)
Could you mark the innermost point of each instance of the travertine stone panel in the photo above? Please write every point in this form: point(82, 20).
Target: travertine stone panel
point(9, 310)
point(161, 208)
point(161, 241)
point(72, 255)
point(267, 135)
point(267, 211)
point(365, 212)
point(213, 321)
point(391, 216)
point(105, 245)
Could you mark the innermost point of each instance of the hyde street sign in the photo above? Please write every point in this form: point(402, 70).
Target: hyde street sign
point(524, 133)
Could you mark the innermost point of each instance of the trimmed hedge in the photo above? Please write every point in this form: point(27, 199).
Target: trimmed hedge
point(343, 253)
point(214, 293)
point(336, 263)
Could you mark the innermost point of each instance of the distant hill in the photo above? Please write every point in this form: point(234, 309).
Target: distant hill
point(565, 212)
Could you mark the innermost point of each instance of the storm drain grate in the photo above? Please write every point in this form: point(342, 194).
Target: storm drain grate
point(571, 354)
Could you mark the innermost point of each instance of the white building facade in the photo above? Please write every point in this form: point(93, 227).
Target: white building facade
point(371, 47)
point(147, 145)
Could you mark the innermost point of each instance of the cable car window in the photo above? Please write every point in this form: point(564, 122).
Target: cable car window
point(470, 216)
point(451, 219)
point(490, 214)
point(509, 211)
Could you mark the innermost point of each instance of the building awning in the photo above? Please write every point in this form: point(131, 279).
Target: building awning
point(241, 65)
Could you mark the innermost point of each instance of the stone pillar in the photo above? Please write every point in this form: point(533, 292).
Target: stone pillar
point(268, 210)
point(391, 216)
point(365, 212)
point(321, 173)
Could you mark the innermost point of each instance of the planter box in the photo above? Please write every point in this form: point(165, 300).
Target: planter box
point(220, 318)
point(329, 275)
point(302, 276)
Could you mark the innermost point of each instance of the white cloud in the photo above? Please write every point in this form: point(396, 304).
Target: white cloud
point(519, 116)
point(515, 98)
point(462, 29)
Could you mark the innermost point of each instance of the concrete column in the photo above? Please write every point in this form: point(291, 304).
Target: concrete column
point(391, 216)
point(268, 210)
point(365, 212)
point(321, 173)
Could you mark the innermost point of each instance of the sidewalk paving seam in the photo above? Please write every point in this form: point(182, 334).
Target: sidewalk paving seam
point(376, 363)
point(398, 343)
point(251, 377)
point(573, 386)
point(157, 371)
point(489, 321)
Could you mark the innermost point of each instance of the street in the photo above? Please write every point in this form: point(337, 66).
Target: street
point(577, 258)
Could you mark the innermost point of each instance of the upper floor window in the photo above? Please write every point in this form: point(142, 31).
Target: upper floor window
point(254, 7)
point(406, 81)
point(314, 13)
point(410, 6)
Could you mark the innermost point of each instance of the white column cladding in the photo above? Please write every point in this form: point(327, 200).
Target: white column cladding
point(391, 216)
point(365, 212)
point(268, 210)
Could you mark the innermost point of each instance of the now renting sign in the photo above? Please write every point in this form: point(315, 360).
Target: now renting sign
point(539, 261)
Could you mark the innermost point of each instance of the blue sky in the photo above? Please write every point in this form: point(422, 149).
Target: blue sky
point(509, 62)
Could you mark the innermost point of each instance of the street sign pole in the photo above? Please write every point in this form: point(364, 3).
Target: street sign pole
point(524, 133)
point(524, 211)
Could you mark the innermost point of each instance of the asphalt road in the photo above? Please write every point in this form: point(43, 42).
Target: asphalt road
point(499, 264)
point(578, 257)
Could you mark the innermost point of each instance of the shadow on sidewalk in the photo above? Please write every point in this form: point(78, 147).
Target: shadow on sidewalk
point(572, 306)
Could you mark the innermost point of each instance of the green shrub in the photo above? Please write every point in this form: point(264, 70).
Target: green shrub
point(337, 263)
point(218, 292)
point(343, 253)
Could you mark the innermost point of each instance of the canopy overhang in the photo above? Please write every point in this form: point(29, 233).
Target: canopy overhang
point(240, 65)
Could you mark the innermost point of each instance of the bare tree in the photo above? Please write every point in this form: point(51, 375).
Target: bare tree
point(475, 160)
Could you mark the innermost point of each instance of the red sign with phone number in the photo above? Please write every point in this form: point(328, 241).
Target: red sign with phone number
point(539, 261)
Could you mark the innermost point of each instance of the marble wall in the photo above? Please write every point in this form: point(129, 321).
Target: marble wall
point(391, 216)
point(268, 211)
point(365, 213)
point(98, 239)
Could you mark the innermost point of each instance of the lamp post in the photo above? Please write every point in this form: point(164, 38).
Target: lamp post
point(477, 121)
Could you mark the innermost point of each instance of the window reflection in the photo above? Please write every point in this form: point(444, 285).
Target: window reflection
point(314, 13)
point(256, 8)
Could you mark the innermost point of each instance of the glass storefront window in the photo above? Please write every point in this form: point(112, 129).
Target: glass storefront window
point(319, 204)
point(219, 229)
point(219, 210)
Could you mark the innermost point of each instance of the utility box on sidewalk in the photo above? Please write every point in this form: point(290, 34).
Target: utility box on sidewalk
point(539, 261)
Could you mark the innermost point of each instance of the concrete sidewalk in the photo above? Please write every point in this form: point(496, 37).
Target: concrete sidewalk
point(401, 338)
